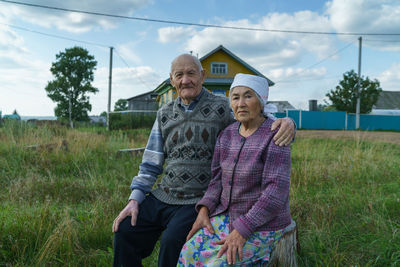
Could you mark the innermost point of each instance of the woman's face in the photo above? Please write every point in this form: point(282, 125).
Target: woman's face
point(245, 104)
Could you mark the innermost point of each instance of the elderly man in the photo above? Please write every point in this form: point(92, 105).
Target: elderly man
point(183, 135)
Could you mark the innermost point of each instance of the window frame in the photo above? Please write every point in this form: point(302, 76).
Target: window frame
point(218, 68)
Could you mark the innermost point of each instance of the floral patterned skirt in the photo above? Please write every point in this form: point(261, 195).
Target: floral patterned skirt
point(202, 248)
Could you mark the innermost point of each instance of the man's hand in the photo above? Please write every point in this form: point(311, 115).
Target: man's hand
point(131, 209)
point(232, 244)
point(286, 133)
point(202, 220)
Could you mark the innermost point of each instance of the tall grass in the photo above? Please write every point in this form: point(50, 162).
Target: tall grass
point(345, 196)
point(58, 201)
point(59, 197)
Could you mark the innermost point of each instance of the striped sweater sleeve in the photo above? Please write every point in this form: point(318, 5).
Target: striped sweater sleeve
point(151, 166)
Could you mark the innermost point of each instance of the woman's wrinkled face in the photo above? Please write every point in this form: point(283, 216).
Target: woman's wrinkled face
point(245, 104)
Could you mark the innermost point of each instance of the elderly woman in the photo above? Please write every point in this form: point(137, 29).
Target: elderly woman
point(246, 206)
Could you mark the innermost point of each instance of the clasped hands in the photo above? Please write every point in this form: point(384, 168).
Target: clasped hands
point(232, 244)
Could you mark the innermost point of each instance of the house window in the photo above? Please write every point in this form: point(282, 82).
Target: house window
point(219, 68)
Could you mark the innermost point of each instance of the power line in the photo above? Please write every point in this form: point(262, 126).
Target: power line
point(383, 41)
point(123, 60)
point(307, 80)
point(195, 24)
point(53, 35)
point(75, 40)
point(317, 63)
point(334, 54)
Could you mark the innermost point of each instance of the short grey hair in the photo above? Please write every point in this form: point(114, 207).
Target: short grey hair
point(196, 61)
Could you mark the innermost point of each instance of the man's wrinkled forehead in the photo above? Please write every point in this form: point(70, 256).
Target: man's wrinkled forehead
point(184, 63)
point(184, 68)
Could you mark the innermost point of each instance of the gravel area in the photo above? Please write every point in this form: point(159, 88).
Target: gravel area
point(389, 137)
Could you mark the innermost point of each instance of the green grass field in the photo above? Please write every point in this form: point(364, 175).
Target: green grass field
point(59, 198)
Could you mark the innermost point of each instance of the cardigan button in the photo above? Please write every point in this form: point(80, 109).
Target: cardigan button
point(230, 182)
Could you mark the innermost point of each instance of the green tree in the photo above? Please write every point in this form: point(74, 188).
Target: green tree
point(73, 72)
point(121, 104)
point(344, 97)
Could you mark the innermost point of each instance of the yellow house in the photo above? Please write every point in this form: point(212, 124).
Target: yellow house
point(221, 66)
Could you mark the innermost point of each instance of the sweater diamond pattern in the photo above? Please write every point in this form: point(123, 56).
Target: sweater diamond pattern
point(189, 137)
point(175, 138)
point(171, 174)
point(221, 111)
point(206, 110)
point(188, 152)
point(202, 178)
point(185, 177)
point(164, 119)
point(205, 135)
point(189, 134)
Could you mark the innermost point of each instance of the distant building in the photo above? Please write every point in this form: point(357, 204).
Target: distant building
point(146, 101)
point(14, 116)
point(98, 120)
point(221, 66)
point(388, 103)
point(282, 105)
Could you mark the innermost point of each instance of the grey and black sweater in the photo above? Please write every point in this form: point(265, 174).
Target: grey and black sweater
point(188, 144)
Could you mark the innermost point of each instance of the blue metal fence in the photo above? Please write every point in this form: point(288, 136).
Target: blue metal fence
point(339, 120)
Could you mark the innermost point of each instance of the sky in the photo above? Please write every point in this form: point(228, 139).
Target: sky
point(303, 66)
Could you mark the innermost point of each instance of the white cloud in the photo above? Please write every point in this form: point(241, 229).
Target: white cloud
point(273, 54)
point(175, 34)
point(126, 51)
point(23, 88)
point(262, 50)
point(372, 16)
point(380, 16)
point(390, 78)
point(71, 21)
point(126, 83)
point(297, 85)
point(12, 48)
point(296, 74)
point(23, 77)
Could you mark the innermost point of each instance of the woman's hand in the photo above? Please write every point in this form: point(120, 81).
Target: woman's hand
point(202, 220)
point(232, 244)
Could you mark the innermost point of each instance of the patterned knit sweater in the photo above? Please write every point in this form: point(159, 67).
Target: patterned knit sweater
point(189, 140)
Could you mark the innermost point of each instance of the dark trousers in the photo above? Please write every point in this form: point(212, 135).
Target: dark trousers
point(132, 244)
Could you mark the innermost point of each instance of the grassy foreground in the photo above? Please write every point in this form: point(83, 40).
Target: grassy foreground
point(58, 199)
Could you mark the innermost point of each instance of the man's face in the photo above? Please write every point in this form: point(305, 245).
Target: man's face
point(186, 77)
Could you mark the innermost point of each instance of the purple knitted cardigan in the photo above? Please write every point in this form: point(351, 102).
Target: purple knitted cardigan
point(250, 183)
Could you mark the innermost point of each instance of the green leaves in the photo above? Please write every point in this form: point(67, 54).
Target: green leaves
point(121, 104)
point(73, 71)
point(344, 97)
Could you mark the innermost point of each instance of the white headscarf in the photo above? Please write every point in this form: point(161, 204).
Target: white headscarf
point(257, 84)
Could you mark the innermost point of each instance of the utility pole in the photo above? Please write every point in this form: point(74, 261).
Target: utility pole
point(358, 85)
point(70, 109)
point(109, 89)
